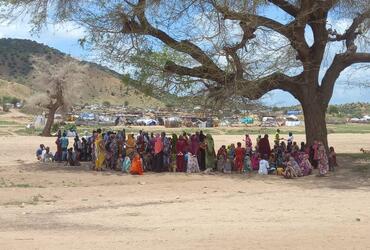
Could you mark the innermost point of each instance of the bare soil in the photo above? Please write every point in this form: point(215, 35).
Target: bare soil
point(58, 207)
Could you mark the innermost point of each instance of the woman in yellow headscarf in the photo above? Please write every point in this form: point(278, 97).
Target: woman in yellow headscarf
point(130, 146)
point(100, 153)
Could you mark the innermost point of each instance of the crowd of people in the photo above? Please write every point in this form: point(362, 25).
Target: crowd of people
point(191, 153)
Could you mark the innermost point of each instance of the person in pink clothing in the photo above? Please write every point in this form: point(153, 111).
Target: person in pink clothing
point(158, 154)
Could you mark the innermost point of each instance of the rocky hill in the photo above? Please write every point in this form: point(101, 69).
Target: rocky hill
point(23, 62)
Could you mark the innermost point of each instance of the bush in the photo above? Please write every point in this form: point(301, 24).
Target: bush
point(106, 104)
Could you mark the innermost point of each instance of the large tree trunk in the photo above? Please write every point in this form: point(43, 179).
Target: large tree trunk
point(314, 117)
point(49, 122)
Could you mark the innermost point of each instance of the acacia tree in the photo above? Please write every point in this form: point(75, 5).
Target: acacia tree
point(236, 47)
point(61, 84)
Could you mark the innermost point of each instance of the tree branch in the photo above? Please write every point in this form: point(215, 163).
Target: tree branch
point(286, 6)
point(340, 63)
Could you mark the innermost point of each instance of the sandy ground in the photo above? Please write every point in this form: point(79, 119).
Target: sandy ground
point(58, 207)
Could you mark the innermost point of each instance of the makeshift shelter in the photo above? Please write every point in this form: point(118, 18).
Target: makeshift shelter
point(292, 121)
point(172, 122)
point(269, 122)
point(40, 121)
point(247, 120)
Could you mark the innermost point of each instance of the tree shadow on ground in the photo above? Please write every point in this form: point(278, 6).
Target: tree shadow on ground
point(353, 173)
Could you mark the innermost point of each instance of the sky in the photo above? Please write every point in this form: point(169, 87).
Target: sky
point(65, 38)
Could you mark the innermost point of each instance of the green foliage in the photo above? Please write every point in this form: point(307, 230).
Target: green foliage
point(71, 127)
point(106, 104)
point(126, 103)
point(332, 109)
point(9, 99)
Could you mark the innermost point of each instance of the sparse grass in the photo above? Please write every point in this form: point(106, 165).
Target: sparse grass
point(7, 123)
point(28, 131)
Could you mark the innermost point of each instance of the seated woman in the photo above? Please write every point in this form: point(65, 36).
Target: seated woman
point(193, 166)
point(137, 165)
point(72, 158)
point(292, 169)
point(305, 165)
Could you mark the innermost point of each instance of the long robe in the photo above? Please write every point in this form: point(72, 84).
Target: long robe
point(323, 160)
point(180, 155)
point(158, 155)
point(239, 158)
point(100, 152)
point(210, 152)
point(264, 147)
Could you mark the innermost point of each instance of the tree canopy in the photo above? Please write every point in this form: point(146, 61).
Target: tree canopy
point(244, 48)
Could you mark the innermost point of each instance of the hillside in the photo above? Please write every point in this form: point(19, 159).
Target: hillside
point(22, 62)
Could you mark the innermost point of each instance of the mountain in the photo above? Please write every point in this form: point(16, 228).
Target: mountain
point(23, 62)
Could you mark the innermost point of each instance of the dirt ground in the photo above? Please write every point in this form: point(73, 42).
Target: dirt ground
point(58, 207)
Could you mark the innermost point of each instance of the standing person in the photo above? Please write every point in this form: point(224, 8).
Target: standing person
point(221, 158)
point(84, 149)
point(180, 154)
point(332, 159)
point(277, 137)
point(314, 154)
point(239, 157)
point(210, 152)
point(202, 152)
point(166, 152)
point(194, 145)
point(158, 154)
point(322, 160)
point(230, 158)
point(77, 147)
point(248, 144)
point(58, 153)
point(258, 139)
point(264, 146)
point(130, 146)
point(64, 145)
point(99, 152)
point(290, 142)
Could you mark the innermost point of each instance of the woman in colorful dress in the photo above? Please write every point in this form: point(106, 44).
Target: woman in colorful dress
point(192, 166)
point(180, 149)
point(305, 165)
point(99, 152)
point(210, 152)
point(158, 154)
point(239, 157)
point(130, 146)
point(248, 144)
point(221, 158)
point(323, 163)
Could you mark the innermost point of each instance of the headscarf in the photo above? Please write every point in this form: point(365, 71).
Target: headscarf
point(174, 141)
point(158, 145)
point(210, 143)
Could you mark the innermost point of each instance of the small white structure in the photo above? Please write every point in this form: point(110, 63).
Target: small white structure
point(292, 121)
point(269, 122)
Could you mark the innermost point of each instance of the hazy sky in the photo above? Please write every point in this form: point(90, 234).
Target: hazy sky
point(65, 38)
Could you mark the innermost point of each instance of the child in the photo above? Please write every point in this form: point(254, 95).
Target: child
point(239, 157)
point(119, 162)
point(39, 152)
point(221, 158)
point(263, 166)
point(255, 161)
point(137, 165)
point(126, 165)
point(247, 164)
point(48, 156)
point(332, 159)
